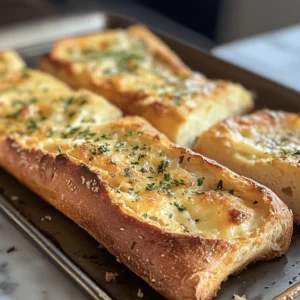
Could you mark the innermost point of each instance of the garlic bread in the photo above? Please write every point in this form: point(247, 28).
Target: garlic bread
point(135, 70)
point(264, 146)
point(177, 219)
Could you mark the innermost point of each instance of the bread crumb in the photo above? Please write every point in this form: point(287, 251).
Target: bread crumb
point(140, 294)
point(48, 218)
point(118, 260)
point(14, 198)
point(237, 297)
point(109, 276)
point(122, 229)
point(100, 246)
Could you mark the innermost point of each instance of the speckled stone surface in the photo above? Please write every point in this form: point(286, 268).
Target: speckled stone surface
point(275, 55)
point(26, 274)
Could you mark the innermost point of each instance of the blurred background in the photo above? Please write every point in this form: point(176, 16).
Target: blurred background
point(221, 21)
point(263, 36)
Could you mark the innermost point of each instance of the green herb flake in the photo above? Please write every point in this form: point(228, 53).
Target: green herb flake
point(127, 172)
point(143, 170)
point(296, 153)
point(136, 147)
point(200, 181)
point(219, 185)
point(150, 186)
point(167, 177)
point(162, 166)
point(129, 133)
point(151, 169)
point(181, 208)
point(32, 125)
point(14, 115)
point(181, 158)
point(231, 192)
point(69, 100)
point(71, 114)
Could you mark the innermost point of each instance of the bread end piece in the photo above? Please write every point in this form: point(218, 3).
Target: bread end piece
point(263, 146)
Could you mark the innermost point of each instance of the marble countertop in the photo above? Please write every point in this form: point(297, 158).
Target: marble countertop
point(26, 274)
point(275, 55)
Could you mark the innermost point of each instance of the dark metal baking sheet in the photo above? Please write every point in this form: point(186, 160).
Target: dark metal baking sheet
point(79, 254)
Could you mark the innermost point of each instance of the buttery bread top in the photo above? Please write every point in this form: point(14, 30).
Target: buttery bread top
point(165, 186)
point(179, 220)
point(135, 60)
point(40, 101)
point(263, 135)
point(151, 178)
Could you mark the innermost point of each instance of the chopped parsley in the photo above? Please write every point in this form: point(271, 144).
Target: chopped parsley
point(69, 100)
point(200, 181)
point(181, 208)
point(150, 186)
point(32, 125)
point(162, 166)
point(127, 172)
point(14, 114)
point(136, 147)
point(219, 185)
point(181, 158)
point(167, 177)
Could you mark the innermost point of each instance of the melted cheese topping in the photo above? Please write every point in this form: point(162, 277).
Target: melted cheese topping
point(266, 135)
point(148, 178)
point(155, 185)
point(128, 58)
point(39, 101)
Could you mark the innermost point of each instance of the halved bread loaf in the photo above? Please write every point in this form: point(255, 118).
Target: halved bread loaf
point(264, 146)
point(142, 76)
point(177, 219)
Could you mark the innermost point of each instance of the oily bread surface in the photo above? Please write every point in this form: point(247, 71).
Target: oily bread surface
point(264, 146)
point(142, 76)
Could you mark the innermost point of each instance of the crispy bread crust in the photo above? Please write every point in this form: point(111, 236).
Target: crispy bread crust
point(179, 266)
point(180, 262)
point(272, 164)
point(169, 118)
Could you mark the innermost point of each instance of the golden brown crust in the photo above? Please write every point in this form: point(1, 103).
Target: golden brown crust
point(178, 266)
point(177, 219)
point(264, 146)
point(165, 92)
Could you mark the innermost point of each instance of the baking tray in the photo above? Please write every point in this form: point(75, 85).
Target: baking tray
point(76, 251)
